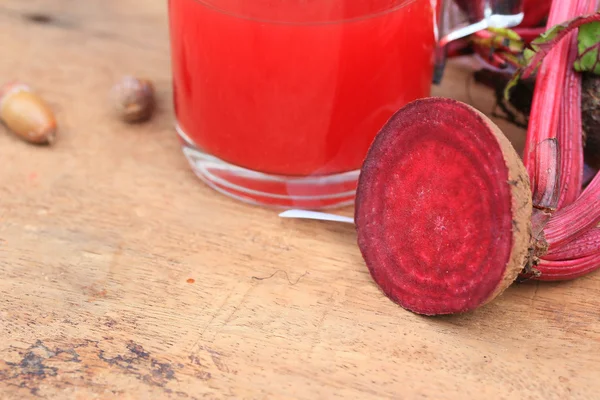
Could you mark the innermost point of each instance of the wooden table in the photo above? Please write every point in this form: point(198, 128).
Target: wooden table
point(101, 234)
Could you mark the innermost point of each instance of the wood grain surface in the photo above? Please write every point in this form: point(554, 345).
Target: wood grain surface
point(101, 233)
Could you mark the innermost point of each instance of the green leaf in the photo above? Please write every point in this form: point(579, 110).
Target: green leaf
point(541, 46)
point(528, 55)
point(508, 39)
point(500, 40)
point(507, 33)
point(588, 46)
point(514, 80)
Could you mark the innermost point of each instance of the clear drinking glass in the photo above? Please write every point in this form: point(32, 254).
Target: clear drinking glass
point(277, 102)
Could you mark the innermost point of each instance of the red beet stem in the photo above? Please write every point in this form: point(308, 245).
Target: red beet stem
point(577, 211)
point(570, 136)
point(554, 152)
point(568, 269)
point(547, 104)
point(548, 162)
point(580, 247)
point(575, 219)
point(571, 234)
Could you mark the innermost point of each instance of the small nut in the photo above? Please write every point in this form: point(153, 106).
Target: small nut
point(26, 114)
point(133, 99)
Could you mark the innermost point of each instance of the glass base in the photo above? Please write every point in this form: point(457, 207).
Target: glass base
point(276, 191)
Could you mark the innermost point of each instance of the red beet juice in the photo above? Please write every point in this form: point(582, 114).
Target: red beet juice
point(277, 102)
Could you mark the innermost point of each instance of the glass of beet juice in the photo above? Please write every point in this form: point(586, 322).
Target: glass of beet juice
point(277, 101)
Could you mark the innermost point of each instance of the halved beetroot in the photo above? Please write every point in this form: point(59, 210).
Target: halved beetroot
point(443, 208)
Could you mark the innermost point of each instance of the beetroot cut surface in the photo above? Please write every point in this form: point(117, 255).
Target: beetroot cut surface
point(443, 208)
